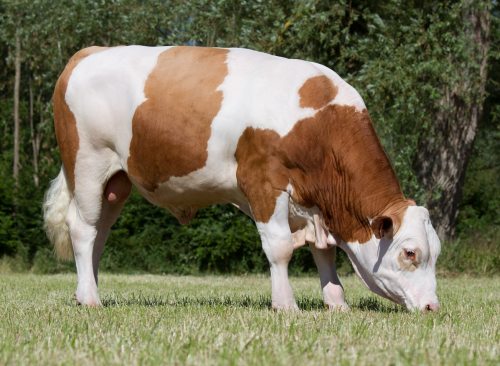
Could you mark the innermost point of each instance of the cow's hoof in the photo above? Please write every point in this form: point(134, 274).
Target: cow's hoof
point(284, 307)
point(338, 307)
point(94, 304)
point(91, 303)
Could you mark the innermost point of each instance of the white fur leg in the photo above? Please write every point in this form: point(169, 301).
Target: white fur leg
point(83, 236)
point(277, 243)
point(333, 292)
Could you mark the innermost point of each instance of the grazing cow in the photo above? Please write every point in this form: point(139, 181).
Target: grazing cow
point(288, 142)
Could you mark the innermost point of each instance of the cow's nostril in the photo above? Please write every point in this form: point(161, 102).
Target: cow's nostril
point(432, 307)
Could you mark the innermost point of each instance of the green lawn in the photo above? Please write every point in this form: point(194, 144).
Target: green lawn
point(227, 320)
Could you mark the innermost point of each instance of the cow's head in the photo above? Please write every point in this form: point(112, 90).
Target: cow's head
point(400, 268)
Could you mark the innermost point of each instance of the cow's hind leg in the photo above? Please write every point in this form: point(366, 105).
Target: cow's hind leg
point(92, 212)
point(277, 243)
point(116, 192)
point(333, 292)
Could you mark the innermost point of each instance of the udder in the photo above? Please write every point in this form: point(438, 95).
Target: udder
point(118, 188)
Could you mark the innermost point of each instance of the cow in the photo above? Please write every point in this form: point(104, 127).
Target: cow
point(288, 142)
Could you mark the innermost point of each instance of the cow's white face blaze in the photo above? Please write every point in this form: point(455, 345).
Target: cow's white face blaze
point(402, 268)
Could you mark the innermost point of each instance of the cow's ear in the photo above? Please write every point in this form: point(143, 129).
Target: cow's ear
point(382, 227)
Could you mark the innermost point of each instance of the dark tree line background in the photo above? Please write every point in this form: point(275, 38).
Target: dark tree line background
point(429, 73)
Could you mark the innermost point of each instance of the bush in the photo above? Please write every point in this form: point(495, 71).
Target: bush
point(475, 253)
point(221, 239)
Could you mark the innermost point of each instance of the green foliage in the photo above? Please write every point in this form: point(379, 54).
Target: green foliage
point(150, 239)
point(397, 54)
point(8, 236)
point(480, 206)
point(476, 254)
point(220, 239)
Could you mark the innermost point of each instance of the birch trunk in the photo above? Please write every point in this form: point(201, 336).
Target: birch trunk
point(34, 135)
point(17, 83)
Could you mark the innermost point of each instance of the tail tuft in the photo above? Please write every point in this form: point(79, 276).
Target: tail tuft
point(55, 208)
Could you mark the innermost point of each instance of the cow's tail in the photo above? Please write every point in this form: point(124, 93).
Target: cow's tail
point(55, 208)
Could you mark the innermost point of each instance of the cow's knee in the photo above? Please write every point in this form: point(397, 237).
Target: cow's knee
point(118, 188)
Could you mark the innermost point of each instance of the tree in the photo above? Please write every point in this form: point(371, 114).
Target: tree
point(444, 150)
point(17, 82)
point(419, 65)
point(480, 206)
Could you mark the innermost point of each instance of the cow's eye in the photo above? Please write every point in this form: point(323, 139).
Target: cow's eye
point(410, 254)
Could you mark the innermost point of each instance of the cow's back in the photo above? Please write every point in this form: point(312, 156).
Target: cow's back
point(173, 116)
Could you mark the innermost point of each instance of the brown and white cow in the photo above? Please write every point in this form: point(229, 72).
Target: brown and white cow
point(286, 141)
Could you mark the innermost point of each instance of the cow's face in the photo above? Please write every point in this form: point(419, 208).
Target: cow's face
point(402, 268)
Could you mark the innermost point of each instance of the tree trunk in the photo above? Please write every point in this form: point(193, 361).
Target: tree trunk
point(444, 152)
point(17, 82)
point(34, 136)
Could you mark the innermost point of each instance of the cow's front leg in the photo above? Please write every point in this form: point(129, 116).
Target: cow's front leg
point(333, 292)
point(278, 245)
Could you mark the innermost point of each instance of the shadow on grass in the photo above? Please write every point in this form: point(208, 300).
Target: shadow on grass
point(259, 302)
point(374, 304)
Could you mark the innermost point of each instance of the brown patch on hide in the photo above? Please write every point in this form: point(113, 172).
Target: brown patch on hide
point(171, 129)
point(260, 175)
point(410, 264)
point(317, 92)
point(64, 119)
point(334, 161)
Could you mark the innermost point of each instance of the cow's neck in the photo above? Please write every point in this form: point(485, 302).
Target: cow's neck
point(340, 166)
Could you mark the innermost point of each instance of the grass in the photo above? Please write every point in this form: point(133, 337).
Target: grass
point(475, 253)
point(172, 320)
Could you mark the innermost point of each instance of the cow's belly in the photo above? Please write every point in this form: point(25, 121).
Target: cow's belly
point(184, 196)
